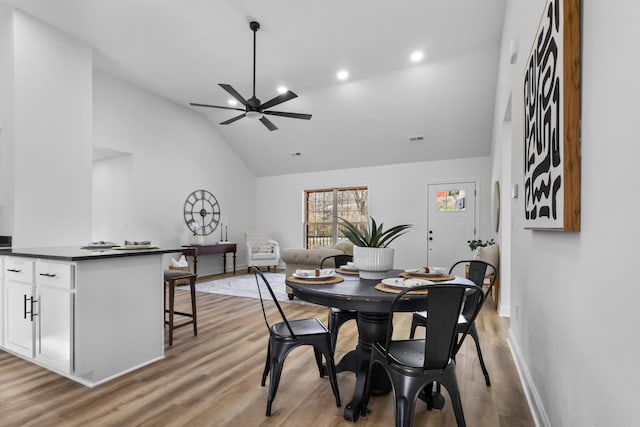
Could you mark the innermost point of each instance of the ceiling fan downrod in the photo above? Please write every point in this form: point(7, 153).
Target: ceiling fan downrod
point(255, 26)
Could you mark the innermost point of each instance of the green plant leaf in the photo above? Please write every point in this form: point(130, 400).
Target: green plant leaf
point(374, 236)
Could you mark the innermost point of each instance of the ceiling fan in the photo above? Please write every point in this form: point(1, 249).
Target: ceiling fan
point(252, 107)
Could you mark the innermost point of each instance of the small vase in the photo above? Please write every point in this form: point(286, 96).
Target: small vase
point(373, 263)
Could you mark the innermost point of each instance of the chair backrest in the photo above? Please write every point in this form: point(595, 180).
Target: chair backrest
point(257, 239)
point(477, 273)
point(443, 303)
point(338, 260)
point(258, 273)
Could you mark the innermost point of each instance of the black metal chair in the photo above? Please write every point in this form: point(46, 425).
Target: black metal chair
point(287, 335)
point(477, 273)
point(337, 317)
point(413, 366)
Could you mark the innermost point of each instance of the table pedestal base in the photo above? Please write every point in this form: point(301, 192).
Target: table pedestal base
point(372, 327)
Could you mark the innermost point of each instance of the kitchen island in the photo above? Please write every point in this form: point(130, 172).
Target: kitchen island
point(88, 314)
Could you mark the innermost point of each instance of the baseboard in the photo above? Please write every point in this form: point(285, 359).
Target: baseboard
point(538, 413)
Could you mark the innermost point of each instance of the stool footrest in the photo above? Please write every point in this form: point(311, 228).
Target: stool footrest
point(179, 325)
point(180, 313)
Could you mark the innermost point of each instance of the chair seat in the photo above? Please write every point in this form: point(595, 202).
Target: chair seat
point(461, 318)
point(177, 274)
point(263, 256)
point(311, 326)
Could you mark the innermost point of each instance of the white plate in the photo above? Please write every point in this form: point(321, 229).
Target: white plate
point(400, 283)
point(420, 272)
point(346, 267)
point(134, 247)
point(320, 277)
point(99, 246)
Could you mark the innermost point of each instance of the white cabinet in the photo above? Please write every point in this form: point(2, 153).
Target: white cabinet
point(1, 301)
point(39, 311)
point(19, 329)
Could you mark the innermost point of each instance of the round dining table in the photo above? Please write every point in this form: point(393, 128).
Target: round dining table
point(372, 306)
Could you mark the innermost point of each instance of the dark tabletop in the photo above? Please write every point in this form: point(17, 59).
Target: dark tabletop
point(356, 294)
point(76, 253)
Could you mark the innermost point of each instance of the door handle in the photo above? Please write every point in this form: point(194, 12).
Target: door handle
point(30, 312)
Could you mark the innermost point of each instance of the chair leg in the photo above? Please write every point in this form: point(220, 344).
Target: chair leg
point(416, 321)
point(318, 356)
point(267, 366)
point(336, 320)
point(172, 294)
point(274, 380)
point(474, 334)
point(406, 393)
point(192, 285)
point(451, 384)
point(414, 325)
point(331, 368)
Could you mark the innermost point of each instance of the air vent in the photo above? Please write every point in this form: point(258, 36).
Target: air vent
point(417, 138)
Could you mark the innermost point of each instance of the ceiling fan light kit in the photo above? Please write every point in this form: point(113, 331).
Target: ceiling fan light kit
point(252, 107)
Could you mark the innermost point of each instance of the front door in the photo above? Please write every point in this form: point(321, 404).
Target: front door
point(451, 222)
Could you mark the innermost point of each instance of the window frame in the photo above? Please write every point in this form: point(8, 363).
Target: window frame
point(312, 241)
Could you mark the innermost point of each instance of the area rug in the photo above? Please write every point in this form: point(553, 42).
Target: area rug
point(244, 285)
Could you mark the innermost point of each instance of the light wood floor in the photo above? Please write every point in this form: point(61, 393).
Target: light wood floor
point(214, 380)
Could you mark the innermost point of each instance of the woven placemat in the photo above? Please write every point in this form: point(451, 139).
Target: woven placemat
point(330, 281)
point(442, 278)
point(385, 288)
point(345, 271)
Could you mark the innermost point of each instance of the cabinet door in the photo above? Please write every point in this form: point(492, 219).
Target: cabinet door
point(54, 336)
point(18, 330)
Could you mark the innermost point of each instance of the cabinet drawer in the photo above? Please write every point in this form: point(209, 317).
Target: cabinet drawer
point(18, 270)
point(53, 274)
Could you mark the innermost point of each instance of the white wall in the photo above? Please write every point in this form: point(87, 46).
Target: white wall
point(397, 194)
point(574, 332)
point(51, 136)
point(61, 108)
point(6, 120)
point(173, 151)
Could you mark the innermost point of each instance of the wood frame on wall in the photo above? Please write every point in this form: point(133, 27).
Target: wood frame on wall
point(551, 87)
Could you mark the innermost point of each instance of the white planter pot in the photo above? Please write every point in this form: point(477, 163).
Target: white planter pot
point(373, 263)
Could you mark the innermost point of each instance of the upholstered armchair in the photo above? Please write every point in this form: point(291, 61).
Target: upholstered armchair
point(262, 250)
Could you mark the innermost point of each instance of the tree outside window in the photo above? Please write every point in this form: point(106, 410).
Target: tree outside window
point(325, 207)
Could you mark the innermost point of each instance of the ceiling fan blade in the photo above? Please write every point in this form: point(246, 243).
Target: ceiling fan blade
point(233, 119)
point(268, 123)
point(290, 115)
point(234, 93)
point(194, 104)
point(278, 100)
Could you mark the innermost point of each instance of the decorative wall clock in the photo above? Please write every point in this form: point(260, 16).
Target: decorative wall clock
point(201, 212)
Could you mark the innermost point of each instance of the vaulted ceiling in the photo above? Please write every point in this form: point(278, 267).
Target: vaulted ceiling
point(181, 50)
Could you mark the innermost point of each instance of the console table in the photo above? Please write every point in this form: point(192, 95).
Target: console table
point(215, 249)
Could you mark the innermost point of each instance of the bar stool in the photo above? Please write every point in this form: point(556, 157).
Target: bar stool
point(170, 278)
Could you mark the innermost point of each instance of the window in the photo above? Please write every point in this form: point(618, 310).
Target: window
point(325, 207)
point(450, 201)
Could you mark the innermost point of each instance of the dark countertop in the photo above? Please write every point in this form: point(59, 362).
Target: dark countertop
point(76, 253)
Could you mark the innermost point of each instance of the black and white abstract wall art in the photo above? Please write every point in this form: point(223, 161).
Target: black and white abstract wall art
point(551, 125)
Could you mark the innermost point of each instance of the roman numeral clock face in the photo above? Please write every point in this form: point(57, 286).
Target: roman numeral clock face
point(201, 212)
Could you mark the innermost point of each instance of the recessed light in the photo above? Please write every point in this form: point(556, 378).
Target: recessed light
point(282, 89)
point(342, 75)
point(232, 102)
point(296, 154)
point(417, 56)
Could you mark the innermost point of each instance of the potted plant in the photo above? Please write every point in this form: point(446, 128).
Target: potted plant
point(479, 243)
point(371, 254)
